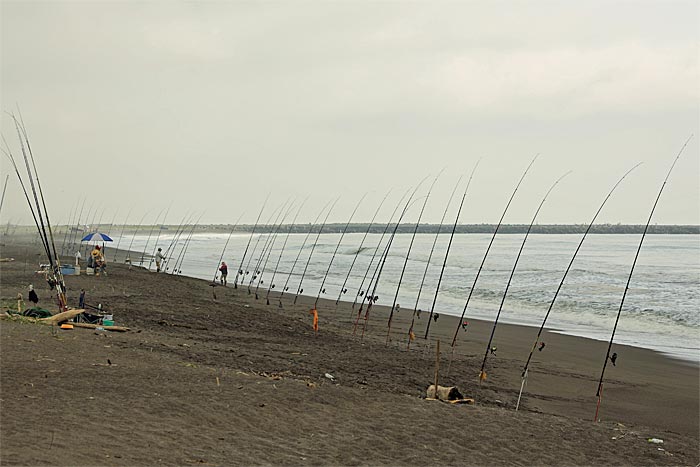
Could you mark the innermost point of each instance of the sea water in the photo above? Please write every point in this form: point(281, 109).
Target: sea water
point(660, 312)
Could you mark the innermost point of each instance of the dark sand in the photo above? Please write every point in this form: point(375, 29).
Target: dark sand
point(199, 381)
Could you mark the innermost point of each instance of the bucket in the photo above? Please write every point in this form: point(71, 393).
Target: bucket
point(77, 271)
point(107, 322)
point(108, 317)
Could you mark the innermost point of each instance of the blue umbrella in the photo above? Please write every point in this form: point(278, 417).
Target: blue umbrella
point(96, 237)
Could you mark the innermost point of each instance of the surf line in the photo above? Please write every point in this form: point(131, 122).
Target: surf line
point(599, 393)
point(523, 376)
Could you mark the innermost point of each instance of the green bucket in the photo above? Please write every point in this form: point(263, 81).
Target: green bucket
point(107, 322)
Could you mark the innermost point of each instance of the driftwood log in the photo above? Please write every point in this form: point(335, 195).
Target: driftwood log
point(444, 393)
point(61, 317)
point(95, 326)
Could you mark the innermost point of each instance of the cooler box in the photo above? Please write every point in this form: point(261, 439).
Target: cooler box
point(67, 270)
point(90, 271)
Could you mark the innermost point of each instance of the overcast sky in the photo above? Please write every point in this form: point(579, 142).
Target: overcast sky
point(209, 106)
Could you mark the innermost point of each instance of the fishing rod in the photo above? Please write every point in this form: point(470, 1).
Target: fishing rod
point(128, 251)
point(9, 155)
point(4, 188)
point(313, 247)
point(488, 248)
point(303, 244)
point(512, 272)
point(268, 239)
point(599, 393)
point(269, 250)
point(360, 290)
point(382, 261)
point(148, 239)
point(71, 213)
point(75, 233)
point(116, 248)
point(284, 245)
point(359, 249)
point(54, 276)
point(408, 254)
point(41, 193)
point(111, 224)
point(186, 246)
point(523, 376)
point(184, 223)
point(447, 251)
point(221, 258)
point(240, 268)
point(411, 335)
point(162, 225)
point(321, 289)
point(41, 226)
point(92, 226)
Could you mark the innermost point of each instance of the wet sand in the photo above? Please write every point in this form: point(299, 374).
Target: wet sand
point(212, 376)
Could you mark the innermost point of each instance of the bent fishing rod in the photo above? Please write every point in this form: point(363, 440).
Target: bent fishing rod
point(240, 268)
point(493, 237)
point(411, 335)
point(284, 245)
point(360, 290)
point(71, 218)
point(74, 234)
point(126, 219)
point(599, 393)
point(303, 244)
point(175, 240)
point(269, 250)
point(186, 246)
point(382, 261)
point(271, 225)
point(223, 251)
point(523, 376)
point(246, 271)
point(133, 237)
point(512, 272)
point(148, 239)
point(359, 248)
point(408, 254)
point(345, 229)
point(160, 229)
point(313, 247)
point(447, 251)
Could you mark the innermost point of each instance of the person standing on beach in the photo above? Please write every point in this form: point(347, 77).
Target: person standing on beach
point(77, 258)
point(159, 258)
point(224, 272)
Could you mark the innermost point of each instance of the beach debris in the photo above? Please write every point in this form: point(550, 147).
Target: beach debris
point(330, 376)
point(315, 322)
point(655, 440)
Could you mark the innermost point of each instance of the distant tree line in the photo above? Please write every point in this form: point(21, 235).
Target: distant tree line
point(471, 228)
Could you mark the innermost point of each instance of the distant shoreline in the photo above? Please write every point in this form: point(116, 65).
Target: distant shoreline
point(403, 228)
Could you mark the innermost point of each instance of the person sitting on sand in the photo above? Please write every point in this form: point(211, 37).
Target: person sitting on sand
point(224, 272)
point(98, 261)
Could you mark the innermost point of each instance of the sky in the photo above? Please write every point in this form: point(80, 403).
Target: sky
point(135, 109)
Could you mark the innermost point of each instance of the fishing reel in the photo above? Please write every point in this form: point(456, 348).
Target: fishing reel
point(323, 291)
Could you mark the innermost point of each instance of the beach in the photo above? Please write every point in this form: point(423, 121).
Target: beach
point(208, 375)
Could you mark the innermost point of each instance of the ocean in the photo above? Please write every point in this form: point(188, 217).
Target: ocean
point(661, 310)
